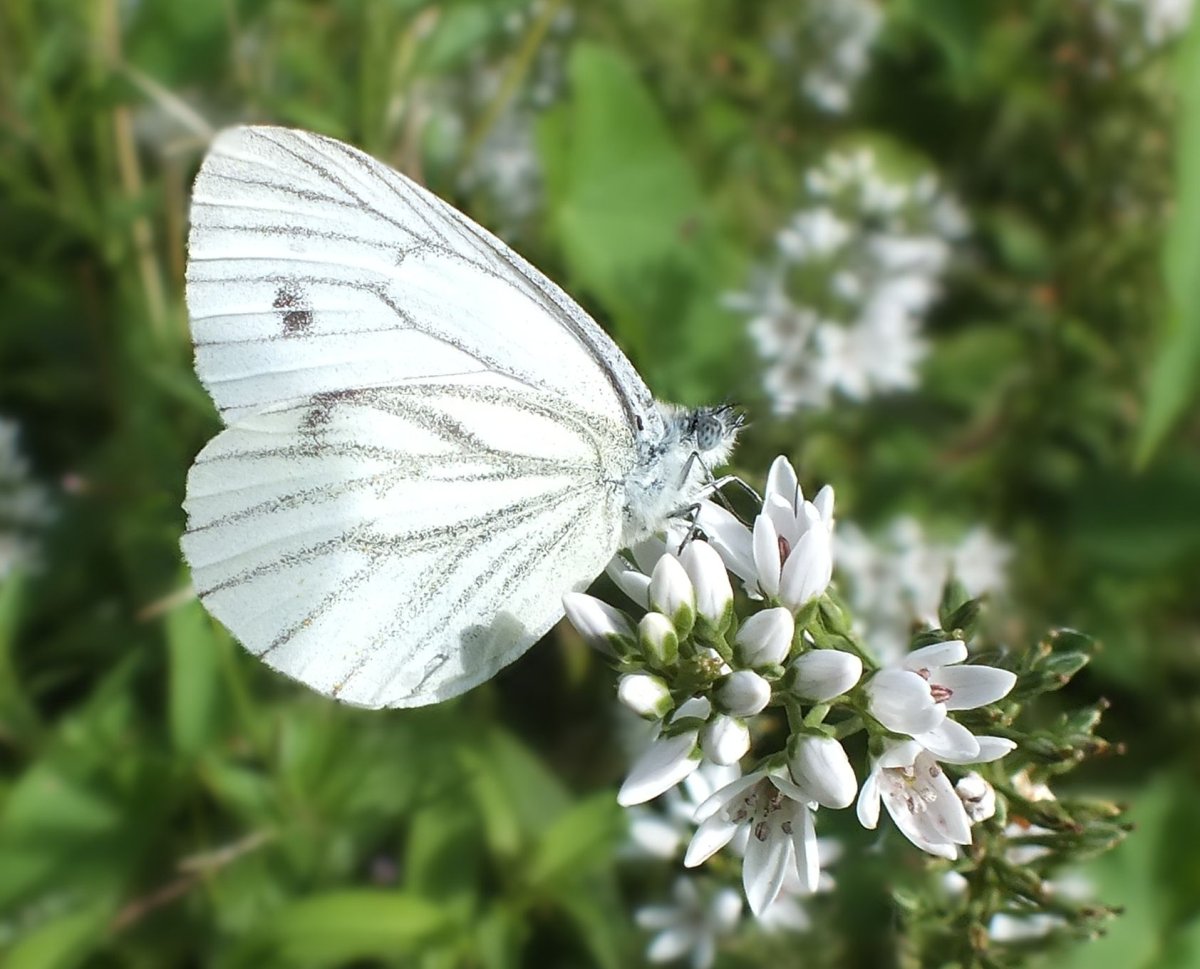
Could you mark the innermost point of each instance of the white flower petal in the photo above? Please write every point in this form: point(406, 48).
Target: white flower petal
point(974, 686)
point(704, 952)
point(936, 654)
point(713, 835)
point(804, 843)
point(766, 555)
point(719, 799)
point(900, 753)
point(671, 943)
point(782, 481)
point(656, 916)
point(725, 910)
point(949, 741)
point(697, 706)
point(868, 801)
point(765, 867)
point(808, 569)
point(652, 834)
point(822, 674)
point(783, 513)
point(634, 584)
point(901, 701)
point(993, 748)
point(823, 502)
point(729, 537)
point(664, 764)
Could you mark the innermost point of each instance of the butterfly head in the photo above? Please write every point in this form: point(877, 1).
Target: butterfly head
point(711, 431)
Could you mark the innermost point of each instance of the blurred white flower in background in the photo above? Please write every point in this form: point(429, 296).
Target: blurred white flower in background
point(24, 505)
point(691, 926)
point(1161, 20)
point(896, 580)
point(828, 44)
point(840, 307)
point(503, 167)
point(661, 829)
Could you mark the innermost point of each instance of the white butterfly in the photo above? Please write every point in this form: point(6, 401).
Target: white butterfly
point(427, 441)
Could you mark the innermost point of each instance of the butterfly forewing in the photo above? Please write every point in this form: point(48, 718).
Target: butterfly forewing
point(427, 439)
point(314, 268)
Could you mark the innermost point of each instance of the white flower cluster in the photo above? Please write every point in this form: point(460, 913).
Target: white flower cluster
point(505, 167)
point(23, 504)
point(895, 582)
point(1161, 21)
point(840, 308)
point(704, 675)
point(829, 45)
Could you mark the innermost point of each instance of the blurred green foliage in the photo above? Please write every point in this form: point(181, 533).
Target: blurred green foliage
point(165, 801)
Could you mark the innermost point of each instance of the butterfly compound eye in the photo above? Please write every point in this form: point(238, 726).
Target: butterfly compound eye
point(709, 432)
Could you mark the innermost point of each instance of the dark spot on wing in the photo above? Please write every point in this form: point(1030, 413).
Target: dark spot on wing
point(318, 414)
point(296, 319)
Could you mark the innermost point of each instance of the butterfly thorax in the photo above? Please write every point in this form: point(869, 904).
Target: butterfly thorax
point(675, 467)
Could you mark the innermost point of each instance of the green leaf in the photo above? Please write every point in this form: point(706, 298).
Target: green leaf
point(958, 29)
point(193, 677)
point(1132, 877)
point(598, 917)
point(337, 927)
point(18, 718)
point(444, 853)
point(630, 194)
point(1176, 374)
point(61, 942)
point(515, 793)
point(582, 839)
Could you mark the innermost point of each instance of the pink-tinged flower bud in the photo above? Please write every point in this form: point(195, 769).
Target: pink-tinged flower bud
point(724, 740)
point(671, 593)
point(603, 627)
point(820, 767)
point(714, 594)
point(742, 693)
point(765, 639)
point(646, 695)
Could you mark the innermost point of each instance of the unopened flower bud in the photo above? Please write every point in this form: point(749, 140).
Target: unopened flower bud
point(724, 740)
point(822, 674)
point(977, 795)
point(645, 694)
point(714, 594)
point(765, 638)
point(819, 765)
point(671, 593)
point(603, 627)
point(658, 640)
point(742, 693)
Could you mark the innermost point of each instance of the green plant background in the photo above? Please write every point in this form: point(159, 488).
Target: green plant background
point(165, 801)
